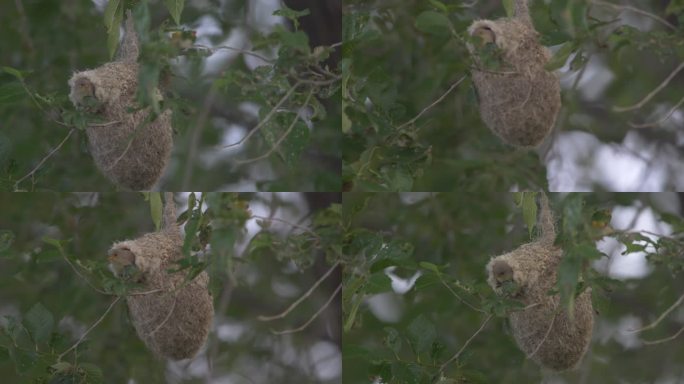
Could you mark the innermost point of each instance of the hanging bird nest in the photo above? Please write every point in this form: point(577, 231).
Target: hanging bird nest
point(519, 100)
point(171, 315)
point(133, 147)
point(544, 330)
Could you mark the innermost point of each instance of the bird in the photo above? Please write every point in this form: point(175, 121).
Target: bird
point(503, 275)
point(122, 264)
point(502, 272)
point(485, 34)
point(84, 95)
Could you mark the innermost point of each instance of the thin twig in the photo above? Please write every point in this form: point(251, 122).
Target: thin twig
point(243, 51)
point(653, 93)
point(312, 318)
point(453, 86)
point(665, 339)
point(667, 312)
point(59, 358)
point(80, 275)
point(168, 316)
point(267, 117)
point(548, 331)
point(40, 164)
point(303, 228)
point(457, 296)
point(197, 134)
point(660, 121)
point(302, 298)
point(144, 292)
point(457, 354)
point(635, 10)
point(281, 138)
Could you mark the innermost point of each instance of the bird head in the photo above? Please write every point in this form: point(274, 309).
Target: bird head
point(120, 260)
point(502, 273)
point(484, 34)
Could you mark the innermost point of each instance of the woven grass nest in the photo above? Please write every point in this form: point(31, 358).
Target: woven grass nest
point(171, 316)
point(520, 100)
point(133, 147)
point(544, 331)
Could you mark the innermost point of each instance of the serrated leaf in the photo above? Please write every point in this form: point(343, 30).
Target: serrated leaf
point(434, 23)
point(297, 40)
point(90, 373)
point(156, 209)
point(39, 321)
point(175, 8)
point(422, 333)
point(263, 241)
point(393, 340)
point(291, 146)
point(291, 14)
point(560, 57)
point(508, 6)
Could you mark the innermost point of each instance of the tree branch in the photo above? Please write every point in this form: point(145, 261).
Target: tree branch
point(652, 93)
point(302, 298)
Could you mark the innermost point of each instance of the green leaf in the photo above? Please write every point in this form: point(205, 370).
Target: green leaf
point(12, 92)
point(4, 355)
point(191, 231)
point(156, 208)
point(578, 61)
point(529, 208)
point(291, 14)
point(508, 6)
point(297, 40)
point(14, 72)
point(90, 373)
point(379, 282)
point(113, 25)
point(398, 178)
point(290, 147)
point(23, 360)
point(433, 23)
point(6, 239)
point(439, 5)
point(561, 56)
point(39, 321)
point(393, 340)
point(263, 241)
point(110, 13)
point(676, 7)
point(422, 333)
point(429, 266)
point(175, 8)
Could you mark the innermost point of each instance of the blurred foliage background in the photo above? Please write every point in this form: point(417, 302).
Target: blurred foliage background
point(410, 115)
point(262, 251)
point(416, 293)
point(222, 70)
